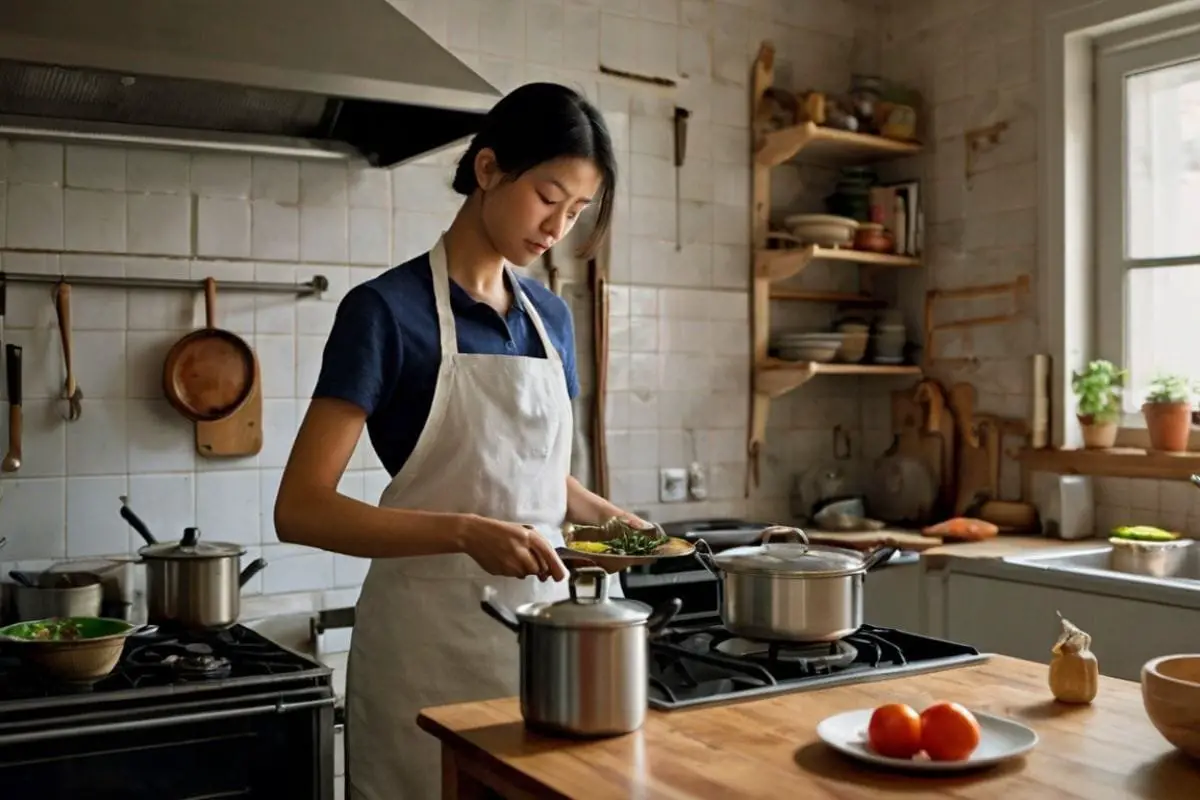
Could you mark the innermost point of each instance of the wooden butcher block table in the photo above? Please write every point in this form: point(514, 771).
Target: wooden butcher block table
point(769, 749)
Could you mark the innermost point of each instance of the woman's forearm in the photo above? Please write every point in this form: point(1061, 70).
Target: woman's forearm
point(323, 518)
point(585, 507)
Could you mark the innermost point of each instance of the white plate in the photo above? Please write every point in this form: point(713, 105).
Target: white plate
point(1000, 739)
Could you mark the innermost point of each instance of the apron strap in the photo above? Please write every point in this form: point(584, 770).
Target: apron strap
point(441, 296)
point(534, 316)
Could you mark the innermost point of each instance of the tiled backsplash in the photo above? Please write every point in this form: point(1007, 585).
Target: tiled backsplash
point(680, 340)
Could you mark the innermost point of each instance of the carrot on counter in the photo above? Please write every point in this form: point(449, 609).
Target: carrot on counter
point(964, 528)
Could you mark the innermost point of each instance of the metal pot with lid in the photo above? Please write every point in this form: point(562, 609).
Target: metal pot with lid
point(792, 590)
point(585, 659)
point(192, 583)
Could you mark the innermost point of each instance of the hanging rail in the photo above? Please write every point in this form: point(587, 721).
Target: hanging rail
point(316, 285)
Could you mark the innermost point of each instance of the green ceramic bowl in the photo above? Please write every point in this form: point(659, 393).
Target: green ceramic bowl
point(64, 630)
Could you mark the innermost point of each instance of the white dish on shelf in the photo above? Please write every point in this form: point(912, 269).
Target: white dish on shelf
point(820, 354)
point(1000, 739)
point(824, 230)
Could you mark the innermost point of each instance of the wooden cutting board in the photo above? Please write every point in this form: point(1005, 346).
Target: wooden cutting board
point(916, 440)
point(978, 450)
point(905, 540)
point(239, 434)
point(938, 428)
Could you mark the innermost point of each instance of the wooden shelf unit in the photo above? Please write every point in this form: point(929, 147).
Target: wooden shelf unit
point(810, 143)
point(775, 377)
point(1118, 462)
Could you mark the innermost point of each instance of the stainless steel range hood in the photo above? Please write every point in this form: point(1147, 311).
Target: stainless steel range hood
point(308, 78)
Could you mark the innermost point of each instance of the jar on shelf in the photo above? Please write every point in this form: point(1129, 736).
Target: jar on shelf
point(865, 94)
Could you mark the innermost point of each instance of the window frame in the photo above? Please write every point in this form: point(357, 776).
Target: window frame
point(1117, 57)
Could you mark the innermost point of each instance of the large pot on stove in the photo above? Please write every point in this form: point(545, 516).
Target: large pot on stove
point(585, 659)
point(792, 591)
point(192, 583)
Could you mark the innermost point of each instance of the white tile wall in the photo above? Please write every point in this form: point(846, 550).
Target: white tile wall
point(680, 349)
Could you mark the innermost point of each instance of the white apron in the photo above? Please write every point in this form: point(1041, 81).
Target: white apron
point(497, 443)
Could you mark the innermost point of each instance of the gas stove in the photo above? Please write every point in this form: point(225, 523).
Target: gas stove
point(704, 664)
point(177, 705)
point(163, 663)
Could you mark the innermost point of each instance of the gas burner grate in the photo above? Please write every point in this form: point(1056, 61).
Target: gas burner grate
point(704, 663)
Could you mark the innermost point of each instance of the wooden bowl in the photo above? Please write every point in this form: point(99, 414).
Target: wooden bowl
point(1171, 696)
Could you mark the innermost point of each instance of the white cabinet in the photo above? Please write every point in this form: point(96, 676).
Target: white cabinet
point(1018, 619)
point(892, 597)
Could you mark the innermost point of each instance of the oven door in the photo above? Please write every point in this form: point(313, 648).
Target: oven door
point(276, 745)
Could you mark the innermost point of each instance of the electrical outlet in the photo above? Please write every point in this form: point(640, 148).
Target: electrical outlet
point(672, 485)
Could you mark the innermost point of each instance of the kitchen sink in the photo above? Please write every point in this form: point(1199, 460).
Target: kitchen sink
point(1099, 561)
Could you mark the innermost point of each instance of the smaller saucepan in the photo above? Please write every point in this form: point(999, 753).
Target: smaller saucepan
point(585, 659)
point(38, 595)
point(792, 591)
point(192, 584)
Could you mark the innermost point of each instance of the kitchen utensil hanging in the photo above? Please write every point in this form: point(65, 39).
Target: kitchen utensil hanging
point(12, 360)
point(209, 373)
point(681, 130)
point(72, 394)
point(599, 286)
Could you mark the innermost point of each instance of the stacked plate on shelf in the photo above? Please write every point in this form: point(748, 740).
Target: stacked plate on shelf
point(819, 346)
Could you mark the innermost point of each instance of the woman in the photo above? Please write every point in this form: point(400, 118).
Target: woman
point(463, 374)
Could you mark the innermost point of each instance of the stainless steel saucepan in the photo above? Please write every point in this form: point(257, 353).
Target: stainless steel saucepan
point(584, 660)
point(792, 591)
point(190, 583)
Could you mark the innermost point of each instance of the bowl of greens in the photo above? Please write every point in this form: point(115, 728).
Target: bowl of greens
point(616, 545)
point(69, 648)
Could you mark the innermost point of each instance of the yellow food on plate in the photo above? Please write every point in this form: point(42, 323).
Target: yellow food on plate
point(589, 547)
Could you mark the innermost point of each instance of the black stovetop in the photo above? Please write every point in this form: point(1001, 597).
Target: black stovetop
point(163, 663)
point(703, 664)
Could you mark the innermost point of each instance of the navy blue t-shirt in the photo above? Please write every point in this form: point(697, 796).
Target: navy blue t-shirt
point(384, 350)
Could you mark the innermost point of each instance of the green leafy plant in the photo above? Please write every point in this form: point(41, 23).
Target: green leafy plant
point(1098, 390)
point(1170, 389)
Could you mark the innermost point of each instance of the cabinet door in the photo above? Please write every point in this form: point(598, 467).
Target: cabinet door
point(1019, 620)
point(892, 597)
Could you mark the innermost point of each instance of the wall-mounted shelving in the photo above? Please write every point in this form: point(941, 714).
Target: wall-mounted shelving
point(809, 143)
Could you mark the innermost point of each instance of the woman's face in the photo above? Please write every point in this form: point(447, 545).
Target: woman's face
point(529, 215)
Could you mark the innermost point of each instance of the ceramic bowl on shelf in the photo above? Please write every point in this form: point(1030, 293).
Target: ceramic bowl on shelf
point(1171, 697)
point(819, 346)
point(825, 230)
point(872, 238)
point(854, 346)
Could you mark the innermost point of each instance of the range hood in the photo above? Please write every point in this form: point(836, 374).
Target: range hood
point(307, 78)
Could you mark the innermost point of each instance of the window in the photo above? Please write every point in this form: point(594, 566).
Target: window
point(1148, 209)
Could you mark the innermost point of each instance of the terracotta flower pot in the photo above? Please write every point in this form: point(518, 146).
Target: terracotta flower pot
point(1097, 435)
point(1168, 425)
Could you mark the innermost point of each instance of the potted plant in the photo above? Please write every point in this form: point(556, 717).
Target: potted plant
point(1098, 402)
point(1168, 413)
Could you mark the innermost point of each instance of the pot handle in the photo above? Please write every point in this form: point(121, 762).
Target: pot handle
point(253, 568)
point(600, 580)
point(501, 613)
point(878, 557)
point(704, 554)
point(784, 532)
point(663, 615)
point(136, 523)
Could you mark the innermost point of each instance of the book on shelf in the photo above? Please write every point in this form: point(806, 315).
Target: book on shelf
point(897, 207)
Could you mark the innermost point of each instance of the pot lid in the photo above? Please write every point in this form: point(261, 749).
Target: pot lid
point(790, 558)
point(586, 609)
point(190, 546)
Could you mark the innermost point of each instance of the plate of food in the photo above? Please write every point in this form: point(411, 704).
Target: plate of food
point(616, 545)
point(945, 737)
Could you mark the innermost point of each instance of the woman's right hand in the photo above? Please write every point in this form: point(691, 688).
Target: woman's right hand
point(510, 550)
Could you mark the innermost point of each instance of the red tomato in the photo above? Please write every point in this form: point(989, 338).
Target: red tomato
point(949, 732)
point(895, 731)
